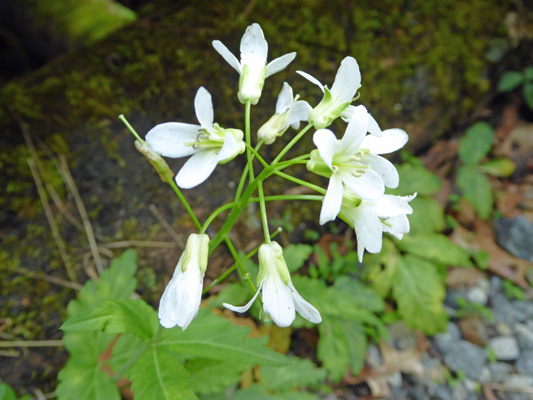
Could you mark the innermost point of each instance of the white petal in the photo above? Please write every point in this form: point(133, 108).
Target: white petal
point(277, 300)
point(285, 99)
point(170, 139)
point(254, 47)
point(326, 143)
point(299, 111)
point(383, 168)
point(203, 106)
point(355, 131)
point(304, 308)
point(346, 115)
point(373, 126)
point(279, 63)
point(392, 140)
point(368, 228)
point(246, 307)
point(397, 226)
point(227, 55)
point(332, 200)
point(197, 169)
point(229, 149)
point(347, 81)
point(392, 206)
point(368, 186)
point(311, 79)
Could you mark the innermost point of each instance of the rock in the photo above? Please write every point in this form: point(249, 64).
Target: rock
point(524, 363)
point(516, 236)
point(524, 336)
point(460, 392)
point(452, 295)
point(400, 336)
point(486, 375)
point(503, 329)
point(395, 379)
point(466, 357)
point(523, 311)
point(445, 340)
point(519, 381)
point(500, 371)
point(477, 295)
point(505, 348)
point(442, 392)
point(473, 330)
point(503, 308)
point(419, 392)
point(495, 286)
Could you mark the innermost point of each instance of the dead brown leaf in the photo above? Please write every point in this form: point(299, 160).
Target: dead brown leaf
point(458, 277)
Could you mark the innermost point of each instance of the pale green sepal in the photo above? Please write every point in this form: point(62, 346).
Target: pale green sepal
point(250, 86)
point(196, 251)
point(273, 128)
point(317, 166)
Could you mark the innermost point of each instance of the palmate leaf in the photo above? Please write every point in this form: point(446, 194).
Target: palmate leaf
point(213, 376)
point(380, 268)
point(437, 248)
point(257, 392)
point(7, 393)
point(296, 255)
point(427, 216)
point(298, 373)
point(415, 177)
point(159, 374)
point(476, 143)
point(419, 293)
point(476, 189)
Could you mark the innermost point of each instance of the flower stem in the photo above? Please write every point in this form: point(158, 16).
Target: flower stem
point(244, 173)
point(291, 143)
point(170, 181)
point(214, 214)
point(301, 182)
point(123, 119)
point(249, 158)
point(245, 276)
point(282, 197)
point(262, 206)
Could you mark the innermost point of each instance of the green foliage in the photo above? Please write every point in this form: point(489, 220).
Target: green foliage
point(436, 248)
point(7, 393)
point(512, 291)
point(512, 79)
point(296, 374)
point(213, 376)
point(468, 309)
point(296, 255)
point(427, 217)
point(330, 269)
point(499, 167)
point(476, 189)
point(476, 143)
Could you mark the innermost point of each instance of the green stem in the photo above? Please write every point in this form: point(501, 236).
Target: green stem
point(244, 173)
point(301, 182)
point(170, 181)
point(214, 214)
point(282, 197)
point(258, 156)
point(245, 276)
point(262, 206)
point(123, 119)
point(249, 158)
point(291, 143)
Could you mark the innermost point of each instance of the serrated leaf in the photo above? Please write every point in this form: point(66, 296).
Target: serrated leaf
point(7, 393)
point(381, 267)
point(510, 80)
point(117, 316)
point(82, 381)
point(234, 293)
point(298, 373)
point(87, 346)
point(217, 338)
point(476, 143)
point(342, 345)
point(415, 178)
point(476, 189)
point(213, 376)
point(437, 248)
point(419, 292)
point(527, 91)
point(159, 374)
point(124, 349)
point(296, 255)
point(427, 216)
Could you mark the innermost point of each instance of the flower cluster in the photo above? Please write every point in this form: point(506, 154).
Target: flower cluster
point(358, 175)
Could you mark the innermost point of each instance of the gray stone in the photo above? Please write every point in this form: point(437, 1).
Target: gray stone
point(524, 336)
point(442, 392)
point(418, 392)
point(395, 379)
point(460, 392)
point(523, 311)
point(477, 295)
point(485, 375)
point(516, 236)
point(503, 329)
point(466, 357)
point(500, 371)
point(373, 355)
point(519, 381)
point(503, 308)
point(524, 363)
point(451, 297)
point(445, 340)
point(400, 336)
point(495, 286)
point(505, 348)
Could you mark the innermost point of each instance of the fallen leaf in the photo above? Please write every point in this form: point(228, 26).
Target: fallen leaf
point(459, 277)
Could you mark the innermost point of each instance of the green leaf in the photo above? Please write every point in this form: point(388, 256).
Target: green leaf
point(297, 374)
point(437, 248)
point(476, 143)
point(234, 293)
point(500, 167)
point(528, 94)
point(6, 392)
point(159, 374)
point(427, 216)
point(296, 255)
point(87, 346)
point(415, 178)
point(380, 268)
point(82, 381)
point(419, 292)
point(528, 74)
point(210, 336)
point(476, 189)
point(342, 344)
point(510, 80)
point(213, 376)
point(125, 348)
point(117, 316)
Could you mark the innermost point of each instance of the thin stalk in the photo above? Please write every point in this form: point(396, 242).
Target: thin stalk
point(262, 206)
point(291, 143)
point(248, 138)
point(282, 197)
point(170, 181)
point(258, 156)
point(245, 276)
point(125, 121)
point(301, 182)
point(214, 214)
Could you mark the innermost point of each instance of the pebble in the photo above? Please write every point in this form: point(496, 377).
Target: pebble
point(477, 295)
point(466, 357)
point(500, 371)
point(519, 381)
point(445, 340)
point(373, 355)
point(505, 348)
point(503, 309)
point(474, 330)
point(395, 379)
point(524, 363)
point(523, 310)
point(516, 236)
point(524, 336)
point(442, 392)
point(503, 329)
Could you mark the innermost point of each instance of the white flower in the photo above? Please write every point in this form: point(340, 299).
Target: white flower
point(253, 68)
point(289, 112)
point(347, 82)
point(208, 143)
point(354, 162)
point(181, 299)
point(280, 298)
point(370, 219)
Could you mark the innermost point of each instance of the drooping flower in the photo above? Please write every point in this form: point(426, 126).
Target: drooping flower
point(181, 299)
point(253, 67)
point(289, 112)
point(208, 143)
point(354, 162)
point(280, 298)
point(370, 218)
point(335, 100)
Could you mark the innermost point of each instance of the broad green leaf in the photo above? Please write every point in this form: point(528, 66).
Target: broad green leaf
point(296, 255)
point(297, 374)
point(87, 346)
point(476, 189)
point(210, 336)
point(436, 247)
point(528, 94)
point(380, 268)
point(510, 80)
point(116, 282)
point(159, 374)
point(416, 178)
point(257, 392)
point(419, 292)
point(342, 345)
point(234, 293)
point(500, 167)
point(427, 216)
point(476, 143)
point(213, 376)
point(7, 393)
point(124, 349)
point(528, 74)
point(82, 381)
point(117, 316)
